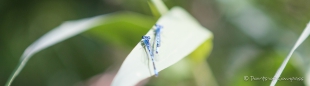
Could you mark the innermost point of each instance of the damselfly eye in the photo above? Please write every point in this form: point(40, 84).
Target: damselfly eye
point(143, 37)
point(158, 26)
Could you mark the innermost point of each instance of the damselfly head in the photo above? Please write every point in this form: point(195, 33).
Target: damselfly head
point(158, 26)
point(146, 37)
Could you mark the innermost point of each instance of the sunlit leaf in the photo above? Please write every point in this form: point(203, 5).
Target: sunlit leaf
point(191, 70)
point(182, 34)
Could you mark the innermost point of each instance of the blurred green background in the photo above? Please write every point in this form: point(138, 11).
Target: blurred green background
point(251, 38)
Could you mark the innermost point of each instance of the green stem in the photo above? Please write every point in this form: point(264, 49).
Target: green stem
point(20, 66)
point(159, 5)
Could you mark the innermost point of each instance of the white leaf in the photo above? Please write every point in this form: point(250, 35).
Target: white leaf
point(302, 37)
point(182, 34)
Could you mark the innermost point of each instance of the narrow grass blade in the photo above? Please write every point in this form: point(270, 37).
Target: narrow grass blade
point(182, 34)
point(302, 37)
point(58, 34)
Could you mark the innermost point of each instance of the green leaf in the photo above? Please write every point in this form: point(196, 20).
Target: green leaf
point(202, 52)
point(69, 29)
point(125, 32)
point(181, 35)
point(64, 31)
point(200, 68)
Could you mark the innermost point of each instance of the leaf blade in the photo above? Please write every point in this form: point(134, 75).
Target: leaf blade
point(67, 30)
point(186, 36)
point(64, 31)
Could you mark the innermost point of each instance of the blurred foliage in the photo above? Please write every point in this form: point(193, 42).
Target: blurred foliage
point(74, 61)
point(287, 13)
point(125, 30)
